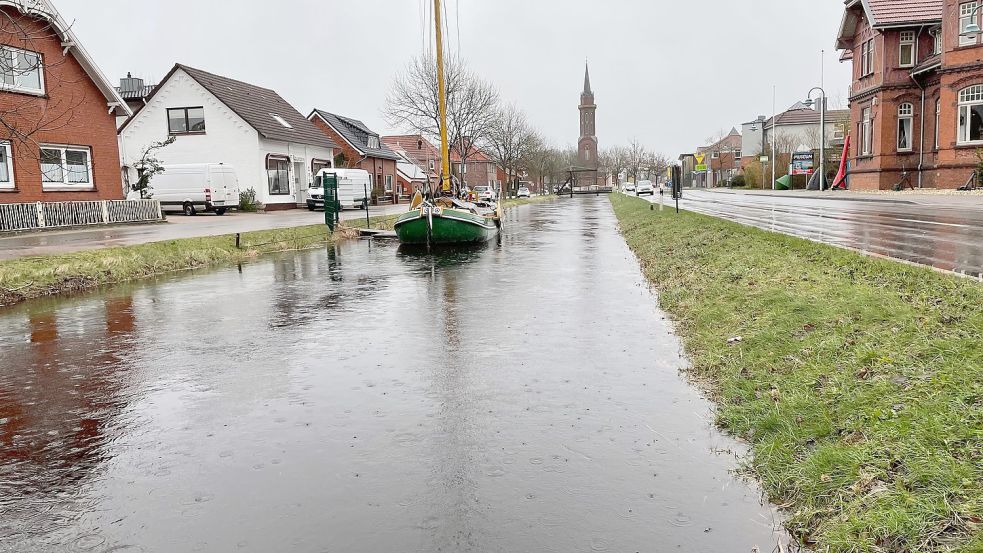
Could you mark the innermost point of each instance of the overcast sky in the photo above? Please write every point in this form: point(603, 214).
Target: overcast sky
point(669, 73)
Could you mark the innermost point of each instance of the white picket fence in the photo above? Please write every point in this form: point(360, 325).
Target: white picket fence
point(42, 215)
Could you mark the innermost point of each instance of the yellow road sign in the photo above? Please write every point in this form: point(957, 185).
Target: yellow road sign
point(700, 158)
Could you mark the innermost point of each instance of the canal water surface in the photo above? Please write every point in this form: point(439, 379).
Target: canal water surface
point(509, 398)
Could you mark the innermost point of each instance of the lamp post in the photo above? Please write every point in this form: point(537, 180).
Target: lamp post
point(822, 133)
point(973, 28)
point(754, 127)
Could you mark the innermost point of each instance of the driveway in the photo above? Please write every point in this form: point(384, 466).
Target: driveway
point(177, 226)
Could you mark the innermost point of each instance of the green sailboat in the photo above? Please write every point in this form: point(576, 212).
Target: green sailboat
point(445, 219)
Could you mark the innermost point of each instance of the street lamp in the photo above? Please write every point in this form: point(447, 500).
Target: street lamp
point(973, 28)
point(754, 127)
point(822, 133)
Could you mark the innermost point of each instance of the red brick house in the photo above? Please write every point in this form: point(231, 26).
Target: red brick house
point(723, 158)
point(480, 169)
point(361, 149)
point(917, 93)
point(58, 138)
point(419, 150)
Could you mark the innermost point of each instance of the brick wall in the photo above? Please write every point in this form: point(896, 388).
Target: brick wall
point(377, 167)
point(73, 112)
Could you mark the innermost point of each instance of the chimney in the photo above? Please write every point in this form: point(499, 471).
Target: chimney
point(130, 84)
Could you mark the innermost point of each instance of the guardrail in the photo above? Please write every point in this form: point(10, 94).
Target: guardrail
point(42, 215)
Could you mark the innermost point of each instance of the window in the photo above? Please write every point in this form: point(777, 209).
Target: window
point(431, 165)
point(839, 131)
point(937, 35)
point(278, 175)
point(186, 120)
point(281, 120)
point(866, 133)
point(6, 167)
point(21, 70)
point(867, 58)
point(389, 184)
point(737, 155)
point(65, 166)
point(905, 118)
point(965, 18)
point(714, 155)
point(971, 115)
point(316, 166)
point(372, 142)
point(907, 50)
point(938, 120)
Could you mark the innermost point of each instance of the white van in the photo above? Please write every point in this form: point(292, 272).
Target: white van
point(208, 187)
point(352, 187)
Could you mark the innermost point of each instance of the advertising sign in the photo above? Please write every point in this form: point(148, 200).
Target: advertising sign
point(803, 163)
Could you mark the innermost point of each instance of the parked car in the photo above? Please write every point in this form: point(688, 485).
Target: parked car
point(628, 187)
point(190, 188)
point(644, 187)
point(485, 193)
point(352, 186)
point(523, 192)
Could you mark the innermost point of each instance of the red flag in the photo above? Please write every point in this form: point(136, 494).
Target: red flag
point(840, 180)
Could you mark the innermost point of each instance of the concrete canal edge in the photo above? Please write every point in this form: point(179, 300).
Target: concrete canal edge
point(857, 381)
point(35, 277)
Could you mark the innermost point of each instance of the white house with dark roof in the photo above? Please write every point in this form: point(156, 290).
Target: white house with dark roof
point(274, 149)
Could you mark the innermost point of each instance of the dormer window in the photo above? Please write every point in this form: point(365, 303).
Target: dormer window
point(907, 49)
point(372, 142)
point(937, 35)
point(282, 121)
point(21, 71)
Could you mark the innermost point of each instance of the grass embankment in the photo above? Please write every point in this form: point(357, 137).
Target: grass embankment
point(33, 277)
point(858, 381)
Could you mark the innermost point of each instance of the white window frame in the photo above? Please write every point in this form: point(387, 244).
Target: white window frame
point(65, 185)
point(839, 131)
point(12, 52)
point(906, 118)
point(965, 18)
point(737, 155)
point(907, 42)
point(866, 133)
point(968, 98)
point(938, 120)
point(8, 154)
point(714, 155)
point(937, 46)
point(389, 183)
point(372, 142)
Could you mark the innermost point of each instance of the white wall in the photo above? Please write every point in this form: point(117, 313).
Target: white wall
point(298, 153)
point(228, 138)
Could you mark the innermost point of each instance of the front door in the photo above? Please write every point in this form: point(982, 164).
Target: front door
point(300, 181)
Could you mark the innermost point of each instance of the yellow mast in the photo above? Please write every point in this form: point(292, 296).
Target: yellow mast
point(445, 166)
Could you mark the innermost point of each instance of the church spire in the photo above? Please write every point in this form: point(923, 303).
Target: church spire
point(587, 89)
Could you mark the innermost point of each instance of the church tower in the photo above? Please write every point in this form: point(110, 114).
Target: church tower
point(587, 145)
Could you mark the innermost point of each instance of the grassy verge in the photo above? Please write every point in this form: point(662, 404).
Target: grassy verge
point(33, 277)
point(858, 381)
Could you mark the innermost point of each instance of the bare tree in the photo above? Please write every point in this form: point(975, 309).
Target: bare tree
point(635, 158)
point(510, 141)
point(149, 166)
point(23, 118)
point(657, 165)
point(414, 104)
point(544, 162)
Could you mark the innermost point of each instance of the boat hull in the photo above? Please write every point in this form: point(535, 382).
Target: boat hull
point(450, 226)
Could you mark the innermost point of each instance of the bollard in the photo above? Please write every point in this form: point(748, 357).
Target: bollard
point(238, 241)
point(662, 199)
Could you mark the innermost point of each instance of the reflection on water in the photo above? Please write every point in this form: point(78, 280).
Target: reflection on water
point(370, 398)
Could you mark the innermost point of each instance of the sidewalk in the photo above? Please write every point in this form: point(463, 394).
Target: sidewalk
point(177, 226)
point(941, 198)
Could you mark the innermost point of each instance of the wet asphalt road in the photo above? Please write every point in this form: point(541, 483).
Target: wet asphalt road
point(13, 245)
point(508, 398)
point(942, 236)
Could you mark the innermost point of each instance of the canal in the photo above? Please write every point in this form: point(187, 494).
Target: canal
point(515, 397)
